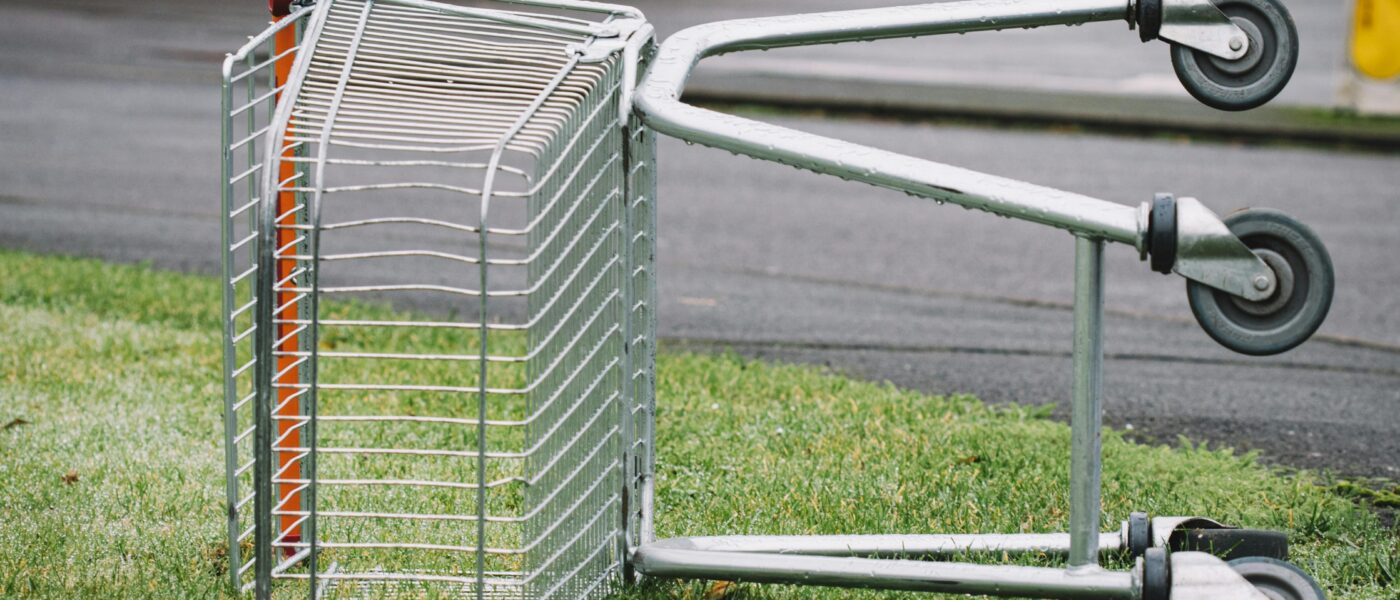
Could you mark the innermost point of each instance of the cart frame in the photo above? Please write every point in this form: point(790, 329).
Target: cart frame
point(1207, 253)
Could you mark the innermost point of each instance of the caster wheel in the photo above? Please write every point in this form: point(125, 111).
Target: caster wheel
point(1156, 575)
point(1303, 292)
point(1139, 534)
point(1230, 544)
point(1256, 77)
point(1277, 579)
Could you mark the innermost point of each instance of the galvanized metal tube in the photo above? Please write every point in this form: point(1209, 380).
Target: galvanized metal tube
point(629, 295)
point(631, 55)
point(891, 546)
point(264, 373)
point(658, 101)
point(1086, 410)
point(647, 525)
point(911, 575)
point(230, 359)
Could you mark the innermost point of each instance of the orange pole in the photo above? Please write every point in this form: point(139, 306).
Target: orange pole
point(286, 201)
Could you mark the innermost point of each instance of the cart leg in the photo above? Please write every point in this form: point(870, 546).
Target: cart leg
point(1086, 416)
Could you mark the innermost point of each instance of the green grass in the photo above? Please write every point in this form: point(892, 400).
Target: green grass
point(111, 465)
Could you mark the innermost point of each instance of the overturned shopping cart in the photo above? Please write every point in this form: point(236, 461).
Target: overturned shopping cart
point(494, 165)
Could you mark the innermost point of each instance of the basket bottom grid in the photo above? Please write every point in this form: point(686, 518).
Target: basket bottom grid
point(346, 586)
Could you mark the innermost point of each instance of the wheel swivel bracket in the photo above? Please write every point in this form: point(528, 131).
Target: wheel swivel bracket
point(1197, 24)
point(1205, 251)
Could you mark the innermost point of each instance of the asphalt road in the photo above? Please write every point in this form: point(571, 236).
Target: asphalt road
point(108, 148)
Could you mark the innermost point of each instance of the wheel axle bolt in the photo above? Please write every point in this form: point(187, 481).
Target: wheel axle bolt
point(1236, 43)
point(1261, 282)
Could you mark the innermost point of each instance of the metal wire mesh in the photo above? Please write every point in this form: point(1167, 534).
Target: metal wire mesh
point(467, 164)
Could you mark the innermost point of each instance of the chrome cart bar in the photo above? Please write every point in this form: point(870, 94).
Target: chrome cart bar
point(1086, 409)
point(893, 546)
point(871, 561)
point(658, 100)
point(908, 575)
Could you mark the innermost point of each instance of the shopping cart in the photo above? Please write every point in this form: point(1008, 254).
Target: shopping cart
point(471, 159)
point(498, 166)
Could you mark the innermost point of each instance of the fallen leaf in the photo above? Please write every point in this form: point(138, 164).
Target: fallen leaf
point(721, 589)
point(217, 555)
point(16, 422)
point(967, 460)
point(692, 301)
point(70, 477)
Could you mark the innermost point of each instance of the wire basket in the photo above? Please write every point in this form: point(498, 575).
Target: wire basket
point(489, 436)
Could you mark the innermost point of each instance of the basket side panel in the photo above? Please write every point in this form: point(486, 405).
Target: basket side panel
point(573, 530)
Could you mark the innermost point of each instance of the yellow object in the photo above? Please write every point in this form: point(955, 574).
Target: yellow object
point(1375, 38)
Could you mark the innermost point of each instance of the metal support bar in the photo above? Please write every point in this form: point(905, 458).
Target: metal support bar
point(230, 356)
point(631, 55)
point(658, 101)
point(891, 546)
point(264, 374)
point(909, 575)
point(1086, 412)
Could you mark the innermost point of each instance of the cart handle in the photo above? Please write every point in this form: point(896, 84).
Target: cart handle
point(658, 102)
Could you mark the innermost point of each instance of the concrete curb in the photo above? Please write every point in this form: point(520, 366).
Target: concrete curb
point(1137, 113)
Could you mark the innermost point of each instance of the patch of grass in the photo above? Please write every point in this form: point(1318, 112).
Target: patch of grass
point(111, 460)
point(1379, 493)
point(1339, 116)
